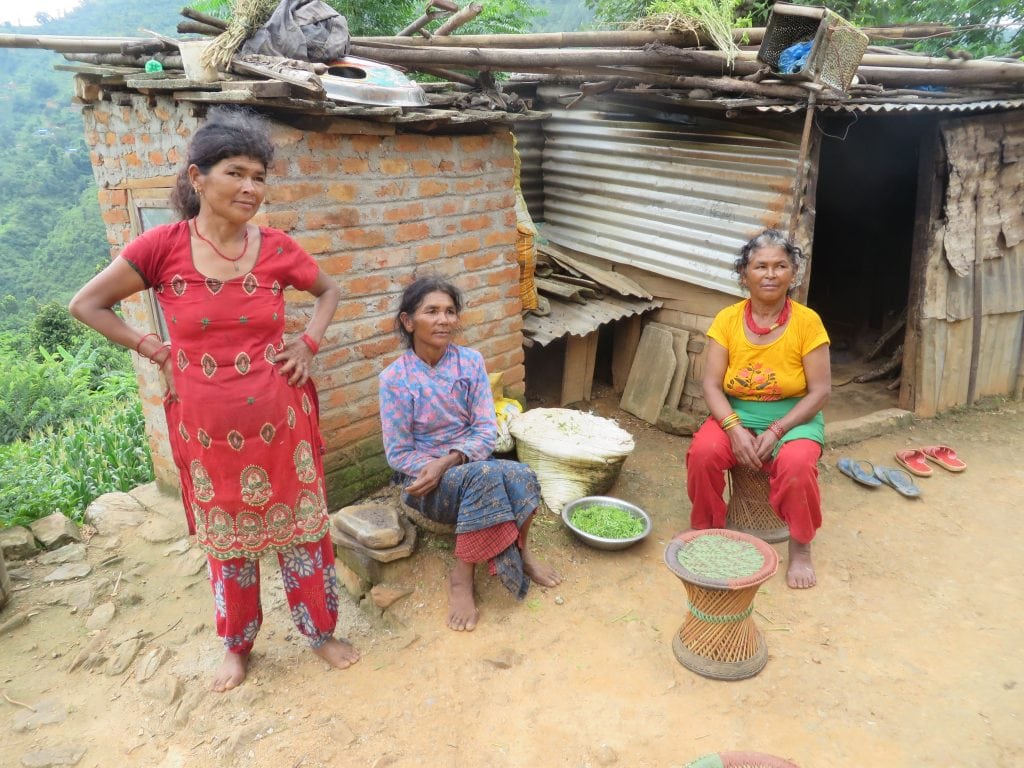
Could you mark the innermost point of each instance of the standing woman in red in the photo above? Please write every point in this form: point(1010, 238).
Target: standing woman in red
point(242, 412)
point(766, 379)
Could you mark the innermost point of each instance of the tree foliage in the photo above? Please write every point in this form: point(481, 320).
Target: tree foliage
point(984, 27)
point(367, 19)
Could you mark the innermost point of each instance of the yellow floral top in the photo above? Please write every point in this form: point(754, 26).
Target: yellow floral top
point(773, 371)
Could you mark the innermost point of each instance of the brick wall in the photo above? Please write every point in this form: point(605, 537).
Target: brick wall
point(374, 207)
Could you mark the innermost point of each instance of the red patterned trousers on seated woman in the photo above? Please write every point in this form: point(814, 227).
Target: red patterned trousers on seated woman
point(792, 477)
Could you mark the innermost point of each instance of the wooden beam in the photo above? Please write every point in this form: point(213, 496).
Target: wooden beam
point(931, 168)
point(625, 340)
point(578, 373)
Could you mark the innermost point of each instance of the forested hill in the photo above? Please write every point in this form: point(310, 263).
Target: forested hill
point(51, 235)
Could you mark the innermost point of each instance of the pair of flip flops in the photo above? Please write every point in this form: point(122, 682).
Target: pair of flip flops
point(867, 474)
point(916, 460)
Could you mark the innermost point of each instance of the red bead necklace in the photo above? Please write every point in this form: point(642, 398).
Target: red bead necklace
point(234, 261)
point(757, 330)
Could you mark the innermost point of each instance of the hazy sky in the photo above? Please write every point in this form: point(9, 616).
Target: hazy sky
point(23, 12)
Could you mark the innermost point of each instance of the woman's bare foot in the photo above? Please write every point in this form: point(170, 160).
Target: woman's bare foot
point(800, 574)
point(231, 673)
point(540, 573)
point(462, 612)
point(338, 653)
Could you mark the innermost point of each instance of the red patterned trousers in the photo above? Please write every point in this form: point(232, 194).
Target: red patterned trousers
point(310, 584)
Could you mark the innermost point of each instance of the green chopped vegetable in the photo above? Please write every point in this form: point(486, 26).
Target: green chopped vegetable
point(607, 521)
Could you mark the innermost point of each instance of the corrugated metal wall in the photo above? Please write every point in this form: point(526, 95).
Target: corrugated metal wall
point(676, 196)
point(530, 144)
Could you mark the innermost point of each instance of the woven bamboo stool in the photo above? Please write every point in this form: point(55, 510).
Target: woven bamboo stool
point(749, 510)
point(722, 571)
point(740, 760)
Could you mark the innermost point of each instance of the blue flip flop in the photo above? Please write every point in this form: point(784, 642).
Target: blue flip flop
point(898, 479)
point(861, 471)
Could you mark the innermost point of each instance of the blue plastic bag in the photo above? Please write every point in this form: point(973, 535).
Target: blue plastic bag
point(794, 58)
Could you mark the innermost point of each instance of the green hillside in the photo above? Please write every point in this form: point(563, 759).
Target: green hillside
point(51, 236)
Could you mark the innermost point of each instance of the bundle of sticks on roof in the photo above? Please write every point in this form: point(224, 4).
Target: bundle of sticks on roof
point(670, 59)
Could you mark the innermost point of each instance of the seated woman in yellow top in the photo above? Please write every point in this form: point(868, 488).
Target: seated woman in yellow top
point(766, 379)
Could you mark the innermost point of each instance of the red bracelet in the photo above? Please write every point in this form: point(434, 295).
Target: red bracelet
point(308, 341)
point(777, 430)
point(138, 345)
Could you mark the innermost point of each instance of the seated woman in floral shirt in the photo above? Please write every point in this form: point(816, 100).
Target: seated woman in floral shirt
point(439, 426)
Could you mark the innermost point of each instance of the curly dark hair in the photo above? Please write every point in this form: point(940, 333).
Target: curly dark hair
point(770, 238)
point(416, 292)
point(226, 133)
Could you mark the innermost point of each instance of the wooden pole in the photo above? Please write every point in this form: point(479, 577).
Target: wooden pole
point(626, 38)
point(77, 44)
point(197, 28)
point(516, 60)
point(976, 274)
point(798, 183)
point(997, 73)
point(541, 40)
point(464, 16)
point(421, 22)
point(905, 61)
point(204, 18)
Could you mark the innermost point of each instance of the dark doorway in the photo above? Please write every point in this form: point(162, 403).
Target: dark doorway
point(863, 237)
point(863, 231)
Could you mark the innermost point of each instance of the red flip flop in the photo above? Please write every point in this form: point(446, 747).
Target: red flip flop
point(915, 462)
point(945, 457)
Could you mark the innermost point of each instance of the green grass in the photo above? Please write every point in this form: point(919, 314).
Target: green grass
point(71, 429)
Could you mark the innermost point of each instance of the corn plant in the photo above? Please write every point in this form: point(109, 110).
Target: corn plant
point(64, 467)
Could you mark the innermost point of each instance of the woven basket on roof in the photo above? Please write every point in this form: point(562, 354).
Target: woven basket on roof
point(574, 454)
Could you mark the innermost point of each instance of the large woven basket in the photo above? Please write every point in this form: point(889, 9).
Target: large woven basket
point(574, 454)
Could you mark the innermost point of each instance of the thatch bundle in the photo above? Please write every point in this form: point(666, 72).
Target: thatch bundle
point(246, 17)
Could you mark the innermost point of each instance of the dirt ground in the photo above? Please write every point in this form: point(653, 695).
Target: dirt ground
point(907, 653)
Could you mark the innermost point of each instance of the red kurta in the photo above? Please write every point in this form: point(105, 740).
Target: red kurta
point(247, 444)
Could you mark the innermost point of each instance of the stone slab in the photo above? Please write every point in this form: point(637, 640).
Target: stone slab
point(68, 571)
point(55, 530)
point(677, 422)
point(882, 422)
point(680, 342)
point(650, 375)
point(17, 543)
point(112, 512)
point(373, 525)
point(343, 541)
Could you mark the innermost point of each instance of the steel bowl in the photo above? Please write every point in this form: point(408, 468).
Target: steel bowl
point(599, 542)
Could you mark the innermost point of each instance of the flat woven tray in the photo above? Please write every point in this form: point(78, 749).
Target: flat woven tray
point(718, 558)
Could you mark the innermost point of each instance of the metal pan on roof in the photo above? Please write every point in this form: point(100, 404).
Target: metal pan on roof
point(361, 81)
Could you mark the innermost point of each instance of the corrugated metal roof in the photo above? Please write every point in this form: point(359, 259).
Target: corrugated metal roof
point(677, 198)
point(903, 106)
point(569, 318)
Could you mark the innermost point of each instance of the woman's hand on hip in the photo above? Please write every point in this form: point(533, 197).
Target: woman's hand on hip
point(295, 361)
point(744, 447)
point(167, 369)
